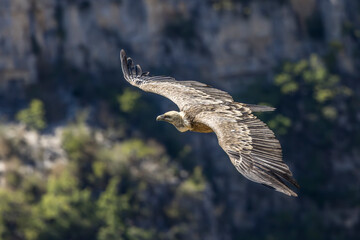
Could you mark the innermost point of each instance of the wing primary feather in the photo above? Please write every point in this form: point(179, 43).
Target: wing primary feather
point(133, 74)
point(273, 180)
point(138, 70)
point(288, 178)
point(270, 187)
point(124, 64)
point(145, 74)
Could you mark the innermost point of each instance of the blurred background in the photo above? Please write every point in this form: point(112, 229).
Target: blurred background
point(81, 156)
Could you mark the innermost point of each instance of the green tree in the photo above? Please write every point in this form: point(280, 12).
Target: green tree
point(81, 148)
point(18, 218)
point(313, 92)
point(33, 116)
point(306, 95)
point(128, 100)
point(66, 210)
point(112, 209)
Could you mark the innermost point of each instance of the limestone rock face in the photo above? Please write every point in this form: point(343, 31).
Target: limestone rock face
point(222, 43)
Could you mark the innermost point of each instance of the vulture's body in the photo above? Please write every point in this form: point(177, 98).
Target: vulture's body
point(249, 143)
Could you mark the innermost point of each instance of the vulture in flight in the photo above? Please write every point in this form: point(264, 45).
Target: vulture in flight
point(249, 143)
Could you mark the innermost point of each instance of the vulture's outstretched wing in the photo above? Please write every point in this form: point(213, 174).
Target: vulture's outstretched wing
point(182, 93)
point(250, 144)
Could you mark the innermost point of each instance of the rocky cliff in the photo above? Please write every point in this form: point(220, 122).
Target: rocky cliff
point(213, 39)
point(66, 53)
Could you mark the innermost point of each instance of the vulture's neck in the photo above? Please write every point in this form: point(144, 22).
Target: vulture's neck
point(181, 123)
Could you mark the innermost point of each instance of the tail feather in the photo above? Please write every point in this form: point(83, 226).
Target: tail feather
point(259, 108)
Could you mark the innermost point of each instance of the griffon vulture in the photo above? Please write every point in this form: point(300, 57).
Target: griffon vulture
point(249, 143)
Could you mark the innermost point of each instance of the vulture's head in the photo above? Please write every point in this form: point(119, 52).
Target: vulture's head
point(175, 118)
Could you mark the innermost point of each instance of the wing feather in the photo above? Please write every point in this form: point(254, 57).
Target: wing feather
point(250, 144)
point(182, 93)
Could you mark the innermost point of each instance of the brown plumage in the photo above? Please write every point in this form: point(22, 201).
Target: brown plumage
point(249, 143)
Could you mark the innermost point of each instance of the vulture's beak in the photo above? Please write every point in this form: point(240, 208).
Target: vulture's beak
point(160, 118)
